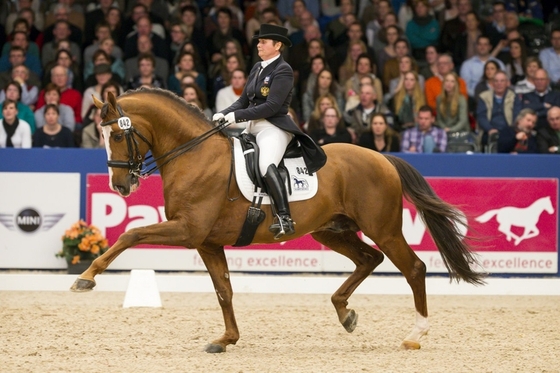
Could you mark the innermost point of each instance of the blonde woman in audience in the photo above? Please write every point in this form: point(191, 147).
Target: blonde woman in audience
point(452, 115)
point(326, 83)
point(406, 64)
point(318, 63)
point(347, 69)
point(408, 99)
point(321, 104)
point(381, 137)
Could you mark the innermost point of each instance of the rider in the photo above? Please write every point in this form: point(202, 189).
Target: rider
point(264, 104)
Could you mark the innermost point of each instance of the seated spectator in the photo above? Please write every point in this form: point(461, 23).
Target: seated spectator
point(381, 138)
point(550, 57)
point(35, 21)
point(65, 113)
point(13, 93)
point(452, 109)
point(359, 118)
point(521, 137)
point(348, 67)
point(315, 48)
point(454, 27)
point(110, 86)
point(354, 33)
point(61, 33)
point(29, 93)
point(364, 67)
point(391, 68)
point(318, 64)
point(406, 64)
point(321, 104)
point(114, 18)
point(64, 58)
point(146, 76)
point(515, 67)
point(497, 28)
point(406, 102)
point(485, 84)
point(103, 57)
point(53, 134)
point(333, 129)
point(532, 64)
point(94, 18)
point(157, 12)
point(19, 56)
point(21, 26)
point(225, 31)
point(178, 32)
point(231, 93)
point(254, 23)
point(473, 68)
point(229, 64)
point(102, 32)
point(374, 19)
point(542, 98)
point(14, 132)
point(423, 29)
point(63, 13)
point(465, 47)
point(190, 17)
point(193, 95)
point(390, 37)
point(185, 65)
point(430, 67)
point(103, 75)
point(144, 28)
point(434, 85)
point(236, 14)
point(68, 96)
point(548, 137)
point(145, 47)
point(16, 58)
point(424, 137)
point(497, 108)
point(92, 133)
point(325, 83)
point(336, 29)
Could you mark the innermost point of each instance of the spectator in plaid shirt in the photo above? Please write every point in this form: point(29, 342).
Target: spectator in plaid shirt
point(424, 137)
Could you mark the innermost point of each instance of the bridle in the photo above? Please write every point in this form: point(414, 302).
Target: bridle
point(135, 164)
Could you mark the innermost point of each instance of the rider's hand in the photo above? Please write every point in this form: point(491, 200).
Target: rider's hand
point(230, 118)
point(217, 117)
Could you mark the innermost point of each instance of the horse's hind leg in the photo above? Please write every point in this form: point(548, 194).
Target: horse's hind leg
point(216, 263)
point(414, 270)
point(364, 257)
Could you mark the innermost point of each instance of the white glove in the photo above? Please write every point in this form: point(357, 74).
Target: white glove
point(230, 118)
point(217, 117)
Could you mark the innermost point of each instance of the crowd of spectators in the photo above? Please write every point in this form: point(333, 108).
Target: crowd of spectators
point(390, 75)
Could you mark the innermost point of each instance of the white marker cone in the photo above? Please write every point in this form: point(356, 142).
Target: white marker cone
point(142, 290)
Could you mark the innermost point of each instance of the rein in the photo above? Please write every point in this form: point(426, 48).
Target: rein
point(135, 165)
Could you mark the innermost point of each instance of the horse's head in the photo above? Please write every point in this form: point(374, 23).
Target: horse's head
point(126, 146)
point(548, 205)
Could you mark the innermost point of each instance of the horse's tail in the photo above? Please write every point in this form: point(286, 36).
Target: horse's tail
point(443, 221)
point(486, 216)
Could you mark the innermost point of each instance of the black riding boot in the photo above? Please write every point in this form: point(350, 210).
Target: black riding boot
point(283, 225)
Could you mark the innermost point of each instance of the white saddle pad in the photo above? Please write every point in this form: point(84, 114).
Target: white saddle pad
point(303, 185)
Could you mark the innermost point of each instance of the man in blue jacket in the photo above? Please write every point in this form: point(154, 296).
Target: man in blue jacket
point(542, 98)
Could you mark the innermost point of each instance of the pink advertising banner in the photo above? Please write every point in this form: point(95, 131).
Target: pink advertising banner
point(515, 218)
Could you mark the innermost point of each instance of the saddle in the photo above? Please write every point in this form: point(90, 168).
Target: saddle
point(255, 214)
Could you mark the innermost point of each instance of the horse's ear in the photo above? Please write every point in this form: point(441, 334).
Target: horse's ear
point(98, 104)
point(112, 100)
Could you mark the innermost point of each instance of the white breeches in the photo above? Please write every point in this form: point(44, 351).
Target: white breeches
point(272, 142)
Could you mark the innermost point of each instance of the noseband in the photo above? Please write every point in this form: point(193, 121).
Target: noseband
point(135, 165)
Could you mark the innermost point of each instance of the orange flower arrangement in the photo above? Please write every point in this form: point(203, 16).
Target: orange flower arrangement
point(82, 242)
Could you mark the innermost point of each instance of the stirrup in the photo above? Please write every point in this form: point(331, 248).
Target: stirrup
point(284, 225)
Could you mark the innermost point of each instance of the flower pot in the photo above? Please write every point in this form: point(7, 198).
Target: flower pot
point(78, 268)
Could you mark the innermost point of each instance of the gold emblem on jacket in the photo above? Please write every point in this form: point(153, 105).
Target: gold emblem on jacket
point(264, 91)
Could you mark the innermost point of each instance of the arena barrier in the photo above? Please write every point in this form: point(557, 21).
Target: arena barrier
point(39, 184)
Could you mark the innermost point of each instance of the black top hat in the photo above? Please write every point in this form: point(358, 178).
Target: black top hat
point(273, 32)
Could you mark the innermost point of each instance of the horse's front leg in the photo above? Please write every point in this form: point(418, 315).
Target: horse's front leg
point(215, 260)
point(165, 233)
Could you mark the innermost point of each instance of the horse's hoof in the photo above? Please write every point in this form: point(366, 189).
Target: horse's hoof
point(213, 348)
point(82, 285)
point(350, 321)
point(410, 345)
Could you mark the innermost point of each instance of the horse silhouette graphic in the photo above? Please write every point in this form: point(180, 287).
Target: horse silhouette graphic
point(526, 217)
point(300, 184)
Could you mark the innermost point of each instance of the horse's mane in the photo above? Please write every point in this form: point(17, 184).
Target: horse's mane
point(192, 109)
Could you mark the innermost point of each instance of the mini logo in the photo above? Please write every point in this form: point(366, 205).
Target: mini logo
point(300, 184)
point(29, 220)
point(526, 218)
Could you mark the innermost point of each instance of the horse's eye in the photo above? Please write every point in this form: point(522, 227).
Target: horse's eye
point(118, 137)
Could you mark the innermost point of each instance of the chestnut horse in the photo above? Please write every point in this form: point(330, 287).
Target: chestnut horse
point(359, 189)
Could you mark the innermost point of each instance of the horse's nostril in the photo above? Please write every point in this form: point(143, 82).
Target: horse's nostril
point(120, 188)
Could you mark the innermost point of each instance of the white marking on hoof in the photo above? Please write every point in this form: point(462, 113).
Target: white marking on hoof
point(420, 329)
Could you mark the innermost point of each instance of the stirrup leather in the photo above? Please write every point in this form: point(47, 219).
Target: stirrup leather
point(283, 225)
